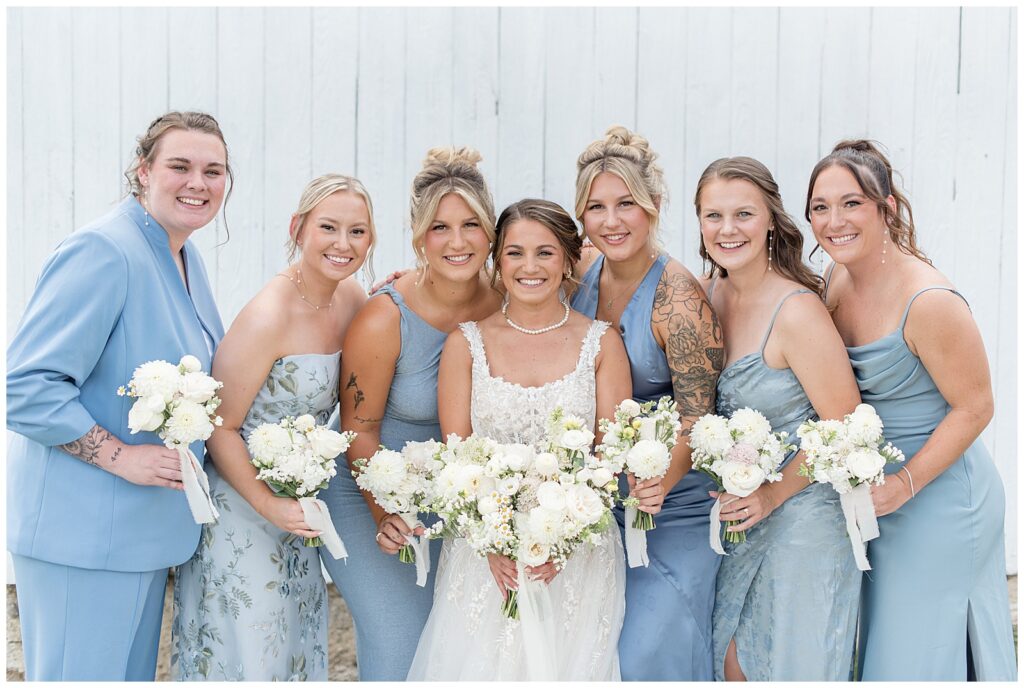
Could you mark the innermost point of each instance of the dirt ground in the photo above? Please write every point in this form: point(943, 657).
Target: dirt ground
point(341, 641)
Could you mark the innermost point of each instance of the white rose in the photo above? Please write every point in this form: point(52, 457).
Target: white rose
point(198, 387)
point(545, 464)
point(865, 463)
point(327, 443)
point(188, 423)
point(551, 495)
point(583, 504)
point(146, 414)
point(741, 479)
point(156, 378)
point(487, 505)
point(545, 525)
point(863, 426)
point(517, 456)
point(190, 364)
point(648, 459)
point(601, 477)
point(534, 553)
point(630, 408)
point(577, 439)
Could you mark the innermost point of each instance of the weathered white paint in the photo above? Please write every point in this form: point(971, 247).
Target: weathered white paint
point(363, 91)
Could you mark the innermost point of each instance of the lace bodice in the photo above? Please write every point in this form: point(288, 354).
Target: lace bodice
point(494, 398)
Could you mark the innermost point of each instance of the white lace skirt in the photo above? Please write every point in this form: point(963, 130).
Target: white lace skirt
point(467, 638)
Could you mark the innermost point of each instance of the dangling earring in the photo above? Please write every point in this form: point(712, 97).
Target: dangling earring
point(770, 232)
point(145, 210)
point(885, 243)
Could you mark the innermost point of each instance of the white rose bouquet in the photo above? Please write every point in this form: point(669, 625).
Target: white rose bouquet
point(179, 403)
point(850, 456)
point(739, 453)
point(403, 483)
point(296, 458)
point(640, 438)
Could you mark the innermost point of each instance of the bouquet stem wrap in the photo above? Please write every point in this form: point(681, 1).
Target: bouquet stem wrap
point(418, 550)
point(537, 616)
point(636, 538)
point(861, 523)
point(318, 517)
point(197, 487)
point(715, 531)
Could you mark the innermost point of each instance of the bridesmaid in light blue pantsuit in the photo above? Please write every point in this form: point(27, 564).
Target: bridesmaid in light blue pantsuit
point(96, 515)
point(389, 397)
point(674, 346)
point(935, 604)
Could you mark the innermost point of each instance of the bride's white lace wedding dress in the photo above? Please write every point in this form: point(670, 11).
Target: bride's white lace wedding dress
point(466, 636)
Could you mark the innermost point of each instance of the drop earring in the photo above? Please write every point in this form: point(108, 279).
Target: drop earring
point(770, 233)
point(885, 244)
point(145, 210)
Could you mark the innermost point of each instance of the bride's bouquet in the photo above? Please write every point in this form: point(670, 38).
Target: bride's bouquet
point(296, 458)
point(179, 403)
point(403, 483)
point(739, 453)
point(850, 456)
point(640, 438)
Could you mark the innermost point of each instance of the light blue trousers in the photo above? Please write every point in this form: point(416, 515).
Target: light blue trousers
point(88, 625)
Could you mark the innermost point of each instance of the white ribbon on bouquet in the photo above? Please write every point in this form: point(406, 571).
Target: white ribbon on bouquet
point(715, 531)
point(636, 539)
point(420, 546)
point(197, 487)
point(537, 616)
point(318, 517)
point(861, 522)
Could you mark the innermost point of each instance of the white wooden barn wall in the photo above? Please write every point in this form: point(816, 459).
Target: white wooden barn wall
point(300, 92)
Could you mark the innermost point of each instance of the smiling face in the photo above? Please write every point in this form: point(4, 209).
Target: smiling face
point(183, 187)
point(335, 236)
point(455, 244)
point(845, 222)
point(613, 220)
point(532, 262)
point(734, 222)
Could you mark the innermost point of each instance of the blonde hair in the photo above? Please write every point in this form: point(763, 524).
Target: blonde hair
point(629, 157)
point(315, 192)
point(448, 170)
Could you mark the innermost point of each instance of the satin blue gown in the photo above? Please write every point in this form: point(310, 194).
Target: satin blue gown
point(937, 591)
point(388, 608)
point(666, 635)
point(789, 594)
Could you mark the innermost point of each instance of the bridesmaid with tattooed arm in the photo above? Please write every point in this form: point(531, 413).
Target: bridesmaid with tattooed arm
point(674, 344)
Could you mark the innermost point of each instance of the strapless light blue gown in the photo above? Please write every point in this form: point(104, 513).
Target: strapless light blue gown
point(666, 635)
point(388, 609)
point(937, 590)
point(789, 594)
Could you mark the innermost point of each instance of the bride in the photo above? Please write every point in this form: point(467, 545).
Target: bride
point(501, 378)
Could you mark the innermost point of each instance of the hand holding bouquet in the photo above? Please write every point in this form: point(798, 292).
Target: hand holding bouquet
point(179, 403)
point(296, 458)
point(739, 453)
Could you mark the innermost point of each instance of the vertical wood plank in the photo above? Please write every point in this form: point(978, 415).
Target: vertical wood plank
point(890, 94)
point(844, 86)
point(144, 70)
point(661, 101)
point(335, 65)
point(521, 105)
point(17, 232)
point(755, 67)
point(475, 83)
point(615, 73)
point(380, 150)
point(240, 111)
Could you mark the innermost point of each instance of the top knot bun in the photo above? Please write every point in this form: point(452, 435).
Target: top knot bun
point(621, 136)
point(448, 155)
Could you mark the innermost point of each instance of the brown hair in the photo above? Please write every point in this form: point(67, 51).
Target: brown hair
point(448, 170)
point(628, 156)
point(874, 175)
point(788, 242)
point(145, 150)
point(552, 216)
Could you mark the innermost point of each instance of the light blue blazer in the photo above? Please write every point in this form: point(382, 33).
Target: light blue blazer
point(108, 299)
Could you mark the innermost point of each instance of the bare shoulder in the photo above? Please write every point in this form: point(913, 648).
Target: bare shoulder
point(378, 324)
point(802, 311)
point(351, 293)
point(267, 314)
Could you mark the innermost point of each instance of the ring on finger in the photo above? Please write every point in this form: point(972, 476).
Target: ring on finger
point(378, 536)
point(746, 512)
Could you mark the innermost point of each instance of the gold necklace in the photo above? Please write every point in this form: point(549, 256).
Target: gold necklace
point(609, 302)
point(297, 281)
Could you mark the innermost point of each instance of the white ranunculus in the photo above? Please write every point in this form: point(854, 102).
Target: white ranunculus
point(545, 464)
point(190, 363)
point(577, 439)
point(517, 456)
point(601, 477)
point(648, 459)
point(741, 479)
point(304, 423)
point(551, 495)
point(533, 553)
point(865, 463)
point(508, 486)
point(327, 443)
point(146, 414)
point(188, 423)
point(863, 426)
point(487, 505)
point(750, 425)
point(545, 525)
point(583, 504)
point(630, 407)
point(198, 387)
point(157, 378)
point(469, 478)
point(710, 434)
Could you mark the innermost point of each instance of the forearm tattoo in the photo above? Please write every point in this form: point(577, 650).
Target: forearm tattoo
point(87, 448)
point(693, 346)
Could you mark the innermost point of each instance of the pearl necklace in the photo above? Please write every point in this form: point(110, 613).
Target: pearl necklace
point(541, 330)
point(297, 281)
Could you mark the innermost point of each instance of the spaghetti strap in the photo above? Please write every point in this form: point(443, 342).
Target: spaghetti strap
point(828, 278)
point(711, 286)
point(906, 311)
point(776, 314)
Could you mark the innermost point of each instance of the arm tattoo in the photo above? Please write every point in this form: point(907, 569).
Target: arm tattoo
point(87, 447)
point(358, 395)
point(368, 420)
point(693, 345)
